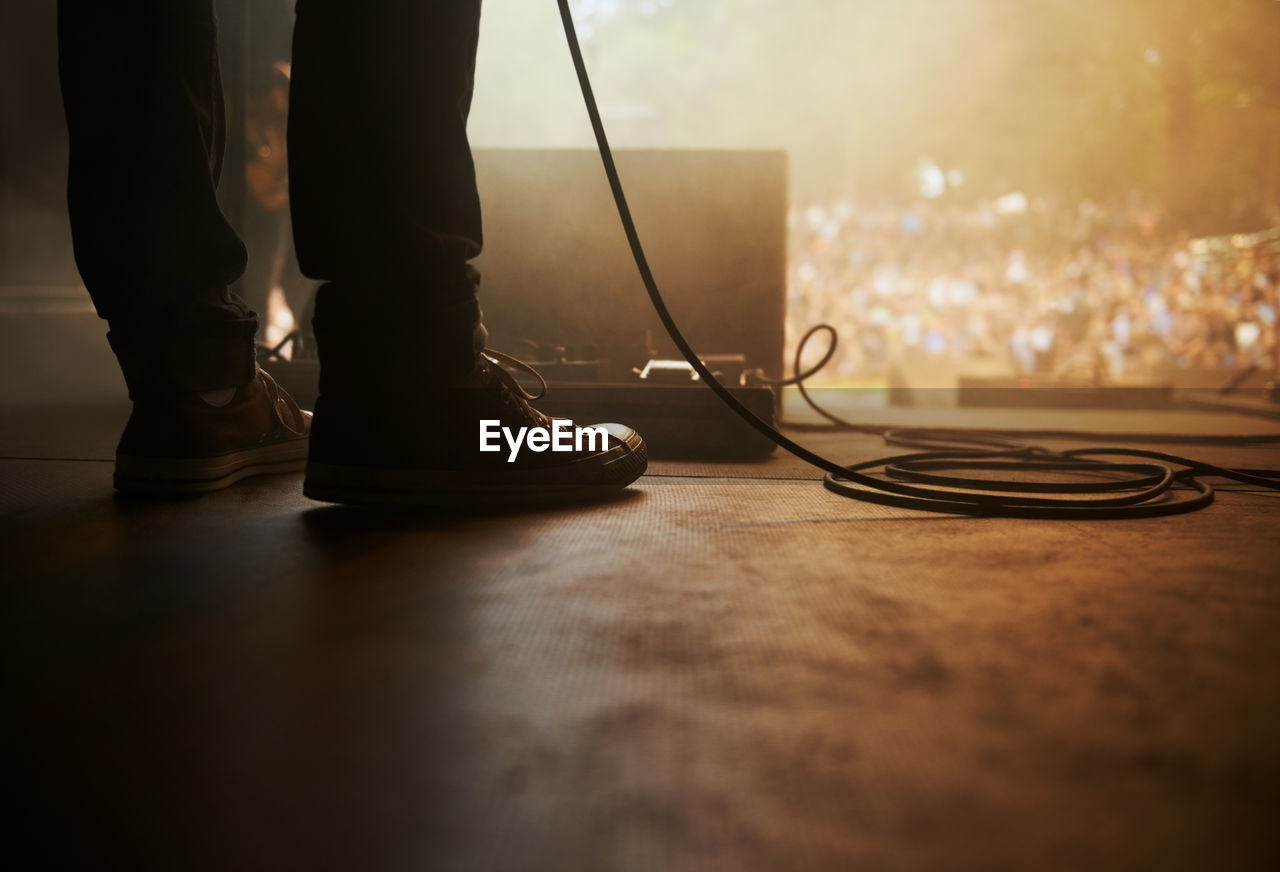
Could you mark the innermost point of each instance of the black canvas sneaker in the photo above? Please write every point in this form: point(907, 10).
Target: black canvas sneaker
point(477, 442)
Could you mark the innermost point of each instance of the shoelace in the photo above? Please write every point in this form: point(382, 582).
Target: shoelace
point(278, 400)
point(514, 390)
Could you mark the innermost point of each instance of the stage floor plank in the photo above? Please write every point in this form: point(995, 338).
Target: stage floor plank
point(721, 669)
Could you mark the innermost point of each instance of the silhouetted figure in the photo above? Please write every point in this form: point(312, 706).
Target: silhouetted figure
point(385, 212)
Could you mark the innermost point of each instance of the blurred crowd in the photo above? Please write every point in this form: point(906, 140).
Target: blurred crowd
point(1012, 287)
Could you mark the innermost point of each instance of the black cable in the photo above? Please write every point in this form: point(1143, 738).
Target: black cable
point(1150, 495)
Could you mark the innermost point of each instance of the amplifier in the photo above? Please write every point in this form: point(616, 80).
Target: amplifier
point(556, 268)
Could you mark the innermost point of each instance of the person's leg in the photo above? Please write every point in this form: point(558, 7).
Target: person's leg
point(143, 104)
point(383, 191)
point(385, 210)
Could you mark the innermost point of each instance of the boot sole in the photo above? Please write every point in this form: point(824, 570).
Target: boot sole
point(187, 476)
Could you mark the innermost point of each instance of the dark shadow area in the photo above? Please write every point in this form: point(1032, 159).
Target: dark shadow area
point(329, 520)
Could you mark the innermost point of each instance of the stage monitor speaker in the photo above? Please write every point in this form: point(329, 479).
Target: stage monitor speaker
point(557, 270)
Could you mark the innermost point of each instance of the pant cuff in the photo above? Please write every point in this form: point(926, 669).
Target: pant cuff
point(160, 363)
point(397, 348)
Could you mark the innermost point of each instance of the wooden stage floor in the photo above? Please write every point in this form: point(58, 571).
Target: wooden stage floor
point(727, 668)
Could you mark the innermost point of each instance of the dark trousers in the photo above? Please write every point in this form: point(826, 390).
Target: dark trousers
point(382, 186)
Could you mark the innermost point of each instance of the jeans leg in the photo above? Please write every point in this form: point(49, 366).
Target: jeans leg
point(382, 185)
point(142, 95)
point(381, 178)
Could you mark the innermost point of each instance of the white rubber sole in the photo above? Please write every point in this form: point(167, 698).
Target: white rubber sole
point(180, 476)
